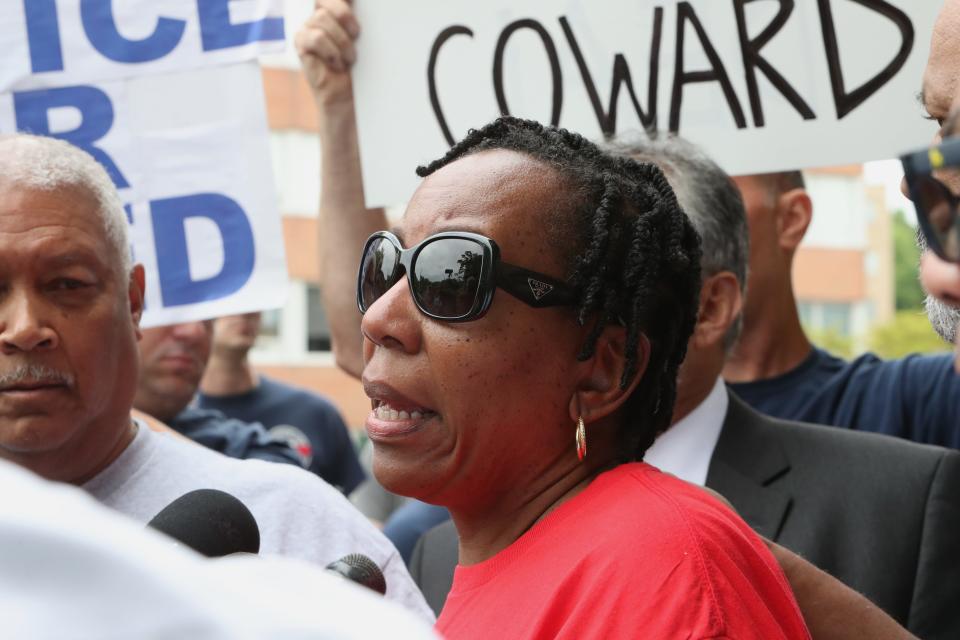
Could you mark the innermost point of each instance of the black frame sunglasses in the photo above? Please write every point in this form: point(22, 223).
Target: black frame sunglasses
point(937, 206)
point(452, 276)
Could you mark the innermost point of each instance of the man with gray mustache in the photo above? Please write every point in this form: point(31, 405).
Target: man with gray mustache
point(29, 375)
point(70, 309)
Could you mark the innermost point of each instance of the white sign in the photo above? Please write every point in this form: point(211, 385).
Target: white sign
point(188, 150)
point(761, 85)
point(65, 42)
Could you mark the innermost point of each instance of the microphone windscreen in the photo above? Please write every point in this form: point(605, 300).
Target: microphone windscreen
point(358, 568)
point(211, 522)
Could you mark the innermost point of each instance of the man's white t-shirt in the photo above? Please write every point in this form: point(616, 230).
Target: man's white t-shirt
point(299, 515)
point(72, 569)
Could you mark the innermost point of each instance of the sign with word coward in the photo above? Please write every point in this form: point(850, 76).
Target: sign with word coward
point(168, 96)
point(761, 85)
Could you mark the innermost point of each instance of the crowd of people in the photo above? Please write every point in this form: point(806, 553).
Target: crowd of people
point(595, 412)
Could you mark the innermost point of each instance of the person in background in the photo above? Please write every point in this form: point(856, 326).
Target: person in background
point(937, 213)
point(776, 370)
point(325, 44)
point(172, 360)
point(305, 421)
point(70, 307)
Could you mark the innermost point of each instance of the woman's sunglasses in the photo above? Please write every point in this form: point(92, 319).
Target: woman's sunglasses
point(936, 204)
point(452, 276)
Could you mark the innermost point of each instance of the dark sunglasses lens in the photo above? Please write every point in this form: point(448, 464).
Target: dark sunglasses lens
point(935, 203)
point(379, 270)
point(446, 280)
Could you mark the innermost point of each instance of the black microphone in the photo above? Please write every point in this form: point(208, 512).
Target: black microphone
point(210, 522)
point(358, 568)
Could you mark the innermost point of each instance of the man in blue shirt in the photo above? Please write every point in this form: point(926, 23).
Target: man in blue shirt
point(940, 94)
point(774, 367)
point(306, 421)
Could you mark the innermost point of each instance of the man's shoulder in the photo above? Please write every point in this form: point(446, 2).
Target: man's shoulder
point(201, 463)
point(826, 443)
point(193, 416)
point(815, 459)
point(194, 420)
point(285, 491)
point(904, 377)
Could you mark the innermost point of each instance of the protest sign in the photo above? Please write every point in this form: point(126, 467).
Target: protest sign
point(181, 129)
point(67, 42)
point(761, 85)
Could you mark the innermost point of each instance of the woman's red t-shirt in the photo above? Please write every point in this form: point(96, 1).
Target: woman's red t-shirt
point(637, 554)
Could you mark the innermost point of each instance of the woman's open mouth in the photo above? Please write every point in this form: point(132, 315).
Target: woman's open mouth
point(390, 419)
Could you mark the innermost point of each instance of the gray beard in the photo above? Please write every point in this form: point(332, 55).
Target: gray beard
point(944, 318)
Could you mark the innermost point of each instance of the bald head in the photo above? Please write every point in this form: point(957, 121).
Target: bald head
point(941, 79)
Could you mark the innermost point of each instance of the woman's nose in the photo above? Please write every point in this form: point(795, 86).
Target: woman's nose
point(393, 321)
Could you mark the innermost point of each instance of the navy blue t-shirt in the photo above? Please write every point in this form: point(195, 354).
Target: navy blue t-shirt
point(916, 398)
point(306, 421)
point(231, 437)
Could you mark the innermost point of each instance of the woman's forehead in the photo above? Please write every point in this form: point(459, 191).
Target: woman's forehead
point(491, 189)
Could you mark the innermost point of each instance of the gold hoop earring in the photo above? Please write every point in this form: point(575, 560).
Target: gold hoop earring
point(581, 437)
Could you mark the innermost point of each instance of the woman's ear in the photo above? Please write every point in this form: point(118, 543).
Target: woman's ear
point(599, 392)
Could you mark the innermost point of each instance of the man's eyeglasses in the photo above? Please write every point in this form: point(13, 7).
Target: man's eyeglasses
point(452, 276)
point(935, 202)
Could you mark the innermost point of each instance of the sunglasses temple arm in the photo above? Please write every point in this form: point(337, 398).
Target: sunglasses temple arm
point(534, 289)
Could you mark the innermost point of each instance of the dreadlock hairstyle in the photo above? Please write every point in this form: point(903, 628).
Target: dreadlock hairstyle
point(633, 256)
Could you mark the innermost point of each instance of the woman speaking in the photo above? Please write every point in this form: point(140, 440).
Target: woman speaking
point(522, 330)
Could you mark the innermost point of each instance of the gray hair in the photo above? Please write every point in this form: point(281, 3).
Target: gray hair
point(709, 198)
point(48, 164)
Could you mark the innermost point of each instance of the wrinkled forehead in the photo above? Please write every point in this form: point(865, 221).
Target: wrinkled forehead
point(27, 206)
point(941, 79)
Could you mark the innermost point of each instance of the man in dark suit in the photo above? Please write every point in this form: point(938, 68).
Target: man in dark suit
point(879, 513)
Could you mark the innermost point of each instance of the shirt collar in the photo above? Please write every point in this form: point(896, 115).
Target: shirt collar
point(685, 449)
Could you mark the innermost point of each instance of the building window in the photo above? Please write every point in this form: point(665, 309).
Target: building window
point(318, 331)
point(805, 310)
point(836, 318)
point(270, 323)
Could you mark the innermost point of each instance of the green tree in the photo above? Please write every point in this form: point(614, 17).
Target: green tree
point(906, 255)
point(830, 340)
point(910, 332)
